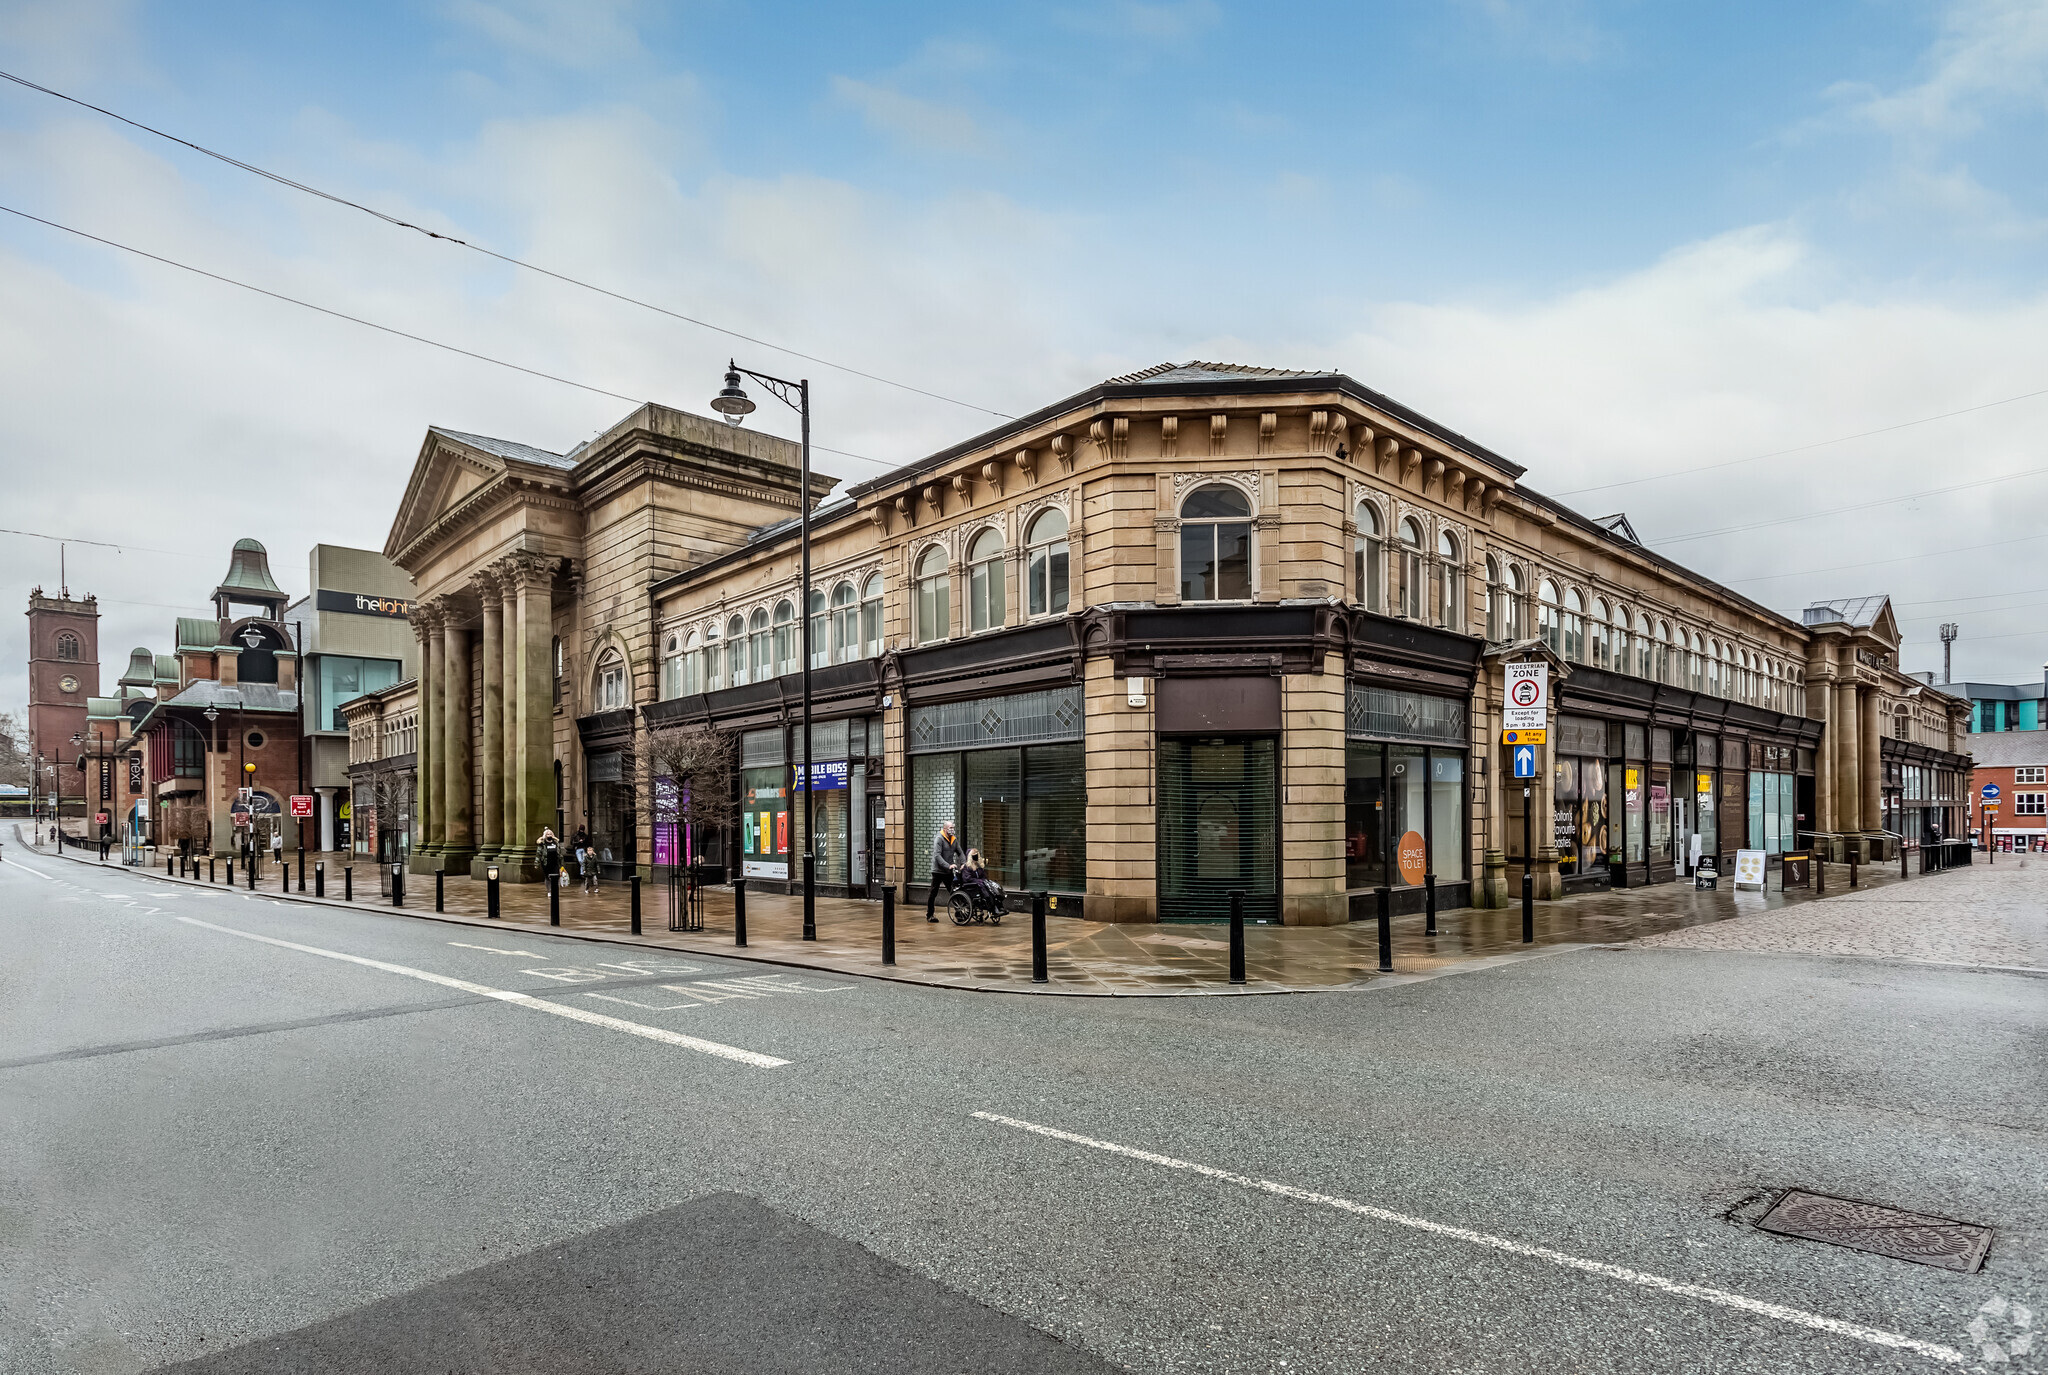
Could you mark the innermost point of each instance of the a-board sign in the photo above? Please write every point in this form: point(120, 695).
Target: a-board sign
point(1525, 696)
point(1750, 868)
point(1796, 870)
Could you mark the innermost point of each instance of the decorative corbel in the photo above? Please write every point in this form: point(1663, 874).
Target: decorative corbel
point(1385, 453)
point(1340, 431)
point(1169, 436)
point(1025, 465)
point(879, 515)
point(963, 487)
point(907, 509)
point(1219, 434)
point(932, 499)
point(1431, 471)
point(1269, 424)
point(1063, 450)
point(1318, 430)
point(1411, 459)
point(1475, 494)
point(992, 474)
point(1454, 487)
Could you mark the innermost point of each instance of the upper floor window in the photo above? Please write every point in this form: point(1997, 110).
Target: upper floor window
point(1215, 545)
point(693, 667)
point(1496, 601)
point(1696, 663)
point(2036, 773)
point(1450, 602)
point(1663, 656)
point(1410, 562)
point(714, 659)
point(871, 617)
point(1645, 649)
point(845, 624)
point(1548, 623)
point(760, 647)
point(672, 667)
point(985, 593)
point(934, 596)
point(1574, 626)
point(1045, 568)
point(1597, 640)
point(736, 651)
point(67, 646)
point(611, 681)
point(1368, 558)
point(785, 638)
point(555, 654)
point(821, 632)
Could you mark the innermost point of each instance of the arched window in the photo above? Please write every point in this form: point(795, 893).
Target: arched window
point(693, 666)
point(1574, 626)
point(714, 659)
point(784, 635)
point(1215, 546)
point(1695, 679)
point(1548, 624)
point(1518, 605)
point(1368, 558)
point(736, 652)
point(985, 592)
point(1713, 668)
point(1450, 582)
point(1408, 557)
point(1646, 666)
point(1663, 664)
point(871, 617)
point(611, 681)
point(821, 630)
point(1496, 601)
point(1596, 635)
point(67, 646)
point(934, 596)
point(761, 647)
point(555, 654)
point(1046, 563)
point(845, 624)
point(672, 666)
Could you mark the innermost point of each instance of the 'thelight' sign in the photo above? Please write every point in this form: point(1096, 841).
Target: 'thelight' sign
point(361, 604)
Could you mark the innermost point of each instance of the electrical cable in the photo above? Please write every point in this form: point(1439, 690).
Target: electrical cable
point(1844, 510)
point(367, 324)
point(396, 222)
point(1878, 563)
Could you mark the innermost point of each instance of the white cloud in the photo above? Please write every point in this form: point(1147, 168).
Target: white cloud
point(582, 34)
point(1991, 54)
point(920, 124)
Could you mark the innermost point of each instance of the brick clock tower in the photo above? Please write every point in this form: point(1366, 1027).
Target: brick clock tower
point(63, 671)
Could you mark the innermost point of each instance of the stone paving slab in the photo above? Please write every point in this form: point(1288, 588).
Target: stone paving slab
point(1984, 915)
point(1100, 959)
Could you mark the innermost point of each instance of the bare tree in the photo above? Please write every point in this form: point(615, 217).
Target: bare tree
point(688, 770)
point(14, 761)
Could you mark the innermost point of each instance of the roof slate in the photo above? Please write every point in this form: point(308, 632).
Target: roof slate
point(1166, 374)
point(505, 448)
point(2005, 749)
point(246, 697)
point(1860, 612)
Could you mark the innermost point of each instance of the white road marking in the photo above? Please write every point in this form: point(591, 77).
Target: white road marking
point(577, 1014)
point(651, 1007)
point(464, 945)
point(1704, 1293)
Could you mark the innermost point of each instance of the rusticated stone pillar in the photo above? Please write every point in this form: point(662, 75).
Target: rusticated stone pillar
point(1846, 748)
point(1869, 771)
point(491, 825)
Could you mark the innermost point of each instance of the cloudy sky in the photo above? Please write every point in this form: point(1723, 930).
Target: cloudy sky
point(1662, 255)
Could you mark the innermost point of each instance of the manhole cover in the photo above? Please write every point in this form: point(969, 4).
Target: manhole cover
point(1924, 1240)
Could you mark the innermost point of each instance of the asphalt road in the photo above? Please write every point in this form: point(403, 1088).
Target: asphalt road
point(367, 1142)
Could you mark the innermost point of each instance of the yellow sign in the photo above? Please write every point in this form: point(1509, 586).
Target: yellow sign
point(1522, 737)
point(1706, 783)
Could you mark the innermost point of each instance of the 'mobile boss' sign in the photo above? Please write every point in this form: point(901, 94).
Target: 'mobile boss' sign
point(361, 604)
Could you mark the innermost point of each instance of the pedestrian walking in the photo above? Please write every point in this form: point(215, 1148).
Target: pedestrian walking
point(277, 846)
point(946, 859)
point(586, 860)
point(550, 847)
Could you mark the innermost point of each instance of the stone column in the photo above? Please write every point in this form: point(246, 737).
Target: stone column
point(1120, 751)
point(1824, 765)
point(534, 750)
point(510, 841)
point(1312, 793)
point(433, 820)
point(456, 759)
point(1843, 747)
point(1869, 771)
point(491, 825)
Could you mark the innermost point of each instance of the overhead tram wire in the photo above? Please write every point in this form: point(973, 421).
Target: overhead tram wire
point(369, 324)
point(1798, 448)
point(1844, 510)
point(505, 258)
point(1879, 563)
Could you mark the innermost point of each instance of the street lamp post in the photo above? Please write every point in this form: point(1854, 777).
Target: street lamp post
point(734, 404)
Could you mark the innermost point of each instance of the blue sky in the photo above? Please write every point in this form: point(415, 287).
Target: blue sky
point(1608, 240)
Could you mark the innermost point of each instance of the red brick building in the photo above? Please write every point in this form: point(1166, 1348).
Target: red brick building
point(63, 673)
point(2016, 763)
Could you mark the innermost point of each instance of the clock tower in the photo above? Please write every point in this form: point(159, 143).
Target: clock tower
point(63, 671)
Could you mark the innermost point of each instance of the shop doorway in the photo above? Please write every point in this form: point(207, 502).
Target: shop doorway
point(1219, 827)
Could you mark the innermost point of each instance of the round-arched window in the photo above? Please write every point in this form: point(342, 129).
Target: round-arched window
point(736, 652)
point(785, 637)
point(1450, 582)
point(934, 596)
point(1215, 545)
point(1548, 622)
point(845, 624)
point(871, 617)
point(1413, 593)
point(986, 596)
point(1045, 563)
point(1368, 558)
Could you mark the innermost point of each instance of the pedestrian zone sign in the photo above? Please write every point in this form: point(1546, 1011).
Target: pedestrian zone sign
point(302, 805)
point(1525, 698)
point(1525, 761)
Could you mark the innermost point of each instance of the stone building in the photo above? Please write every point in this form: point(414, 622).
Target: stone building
point(383, 772)
point(1197, 630)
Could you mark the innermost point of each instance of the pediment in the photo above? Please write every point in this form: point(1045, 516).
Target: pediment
point(1885, 626)
point(445, 474)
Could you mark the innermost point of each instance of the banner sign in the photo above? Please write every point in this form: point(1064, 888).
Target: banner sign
point(361, 604)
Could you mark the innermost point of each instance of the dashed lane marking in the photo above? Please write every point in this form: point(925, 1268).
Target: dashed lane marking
point(526, 1000)
point(1874, 1336)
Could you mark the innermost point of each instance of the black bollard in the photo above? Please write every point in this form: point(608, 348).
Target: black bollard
point(1237, 935)
point(1383, 913)
point(1528, 909)
point(739, 911)
point(889, 925)
point(1820, 874)
point(284, 879)
point(319, 878)
point(250, 868)
point(348, 883)
point(491, 892)
point(1429, 897)
point(211, 875)
point(1902, 861)
point(636, 902)
point(554, 898)
point(810, 896)
point(440, 889)
point(1852, 868)
point(1038, 937)
point(302, 868)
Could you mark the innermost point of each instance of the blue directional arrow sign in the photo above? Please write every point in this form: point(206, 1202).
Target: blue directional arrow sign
point(1990, 790)
point(1525, 761)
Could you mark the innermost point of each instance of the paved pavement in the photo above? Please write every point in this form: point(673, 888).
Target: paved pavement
point(306, 1134)
point(1097, 958)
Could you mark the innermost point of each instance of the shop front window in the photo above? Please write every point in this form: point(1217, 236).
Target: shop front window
point(1218, 827)
point(764, 805)
point(1365, 862)
point(1022, 801)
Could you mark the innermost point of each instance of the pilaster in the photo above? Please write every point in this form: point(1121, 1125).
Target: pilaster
point(534, 749)
point(459, 847)
point(1121, 753)
point(1312, 798)
point(491, 825)
point(427, 622)
point(511, 843)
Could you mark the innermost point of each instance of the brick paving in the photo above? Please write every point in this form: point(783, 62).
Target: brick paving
point(1883, 917)
point(1983, 915)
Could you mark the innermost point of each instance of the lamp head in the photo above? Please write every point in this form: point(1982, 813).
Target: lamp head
point(248, 768)
point(732, 402)
point(252, 637)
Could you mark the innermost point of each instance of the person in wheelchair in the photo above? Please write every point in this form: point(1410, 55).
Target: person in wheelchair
point(977, 897)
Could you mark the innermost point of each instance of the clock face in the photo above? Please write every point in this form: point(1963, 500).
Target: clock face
point(68, 683)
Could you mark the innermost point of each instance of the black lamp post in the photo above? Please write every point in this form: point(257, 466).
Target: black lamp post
point(734, 404)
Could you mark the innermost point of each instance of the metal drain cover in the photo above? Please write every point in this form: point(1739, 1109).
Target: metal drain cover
point(1924, 1240)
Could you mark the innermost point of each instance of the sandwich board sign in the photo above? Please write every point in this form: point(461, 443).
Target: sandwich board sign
point(1525, 699)
point(1750, 869)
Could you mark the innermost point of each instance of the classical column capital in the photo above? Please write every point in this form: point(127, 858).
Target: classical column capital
point(525, 571)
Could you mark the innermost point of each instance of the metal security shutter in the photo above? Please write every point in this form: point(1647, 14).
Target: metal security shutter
point(1218, 827)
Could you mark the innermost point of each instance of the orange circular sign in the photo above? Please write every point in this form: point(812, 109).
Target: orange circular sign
point(1411, 857)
